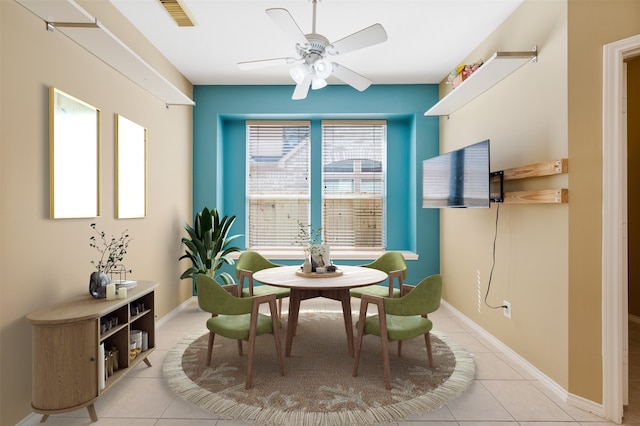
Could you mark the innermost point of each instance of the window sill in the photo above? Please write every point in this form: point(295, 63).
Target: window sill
point(292, 254)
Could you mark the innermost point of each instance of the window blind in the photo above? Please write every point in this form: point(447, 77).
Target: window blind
point(278, 165)
point(353, 182)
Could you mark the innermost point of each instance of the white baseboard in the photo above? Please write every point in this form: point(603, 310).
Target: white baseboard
point(573, 400)
point(586, 405)
point(29, 420)
point(174, 312)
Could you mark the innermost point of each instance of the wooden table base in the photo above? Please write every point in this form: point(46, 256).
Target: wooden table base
point(297, 295)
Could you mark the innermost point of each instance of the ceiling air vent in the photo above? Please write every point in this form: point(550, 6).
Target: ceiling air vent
point(177, 12)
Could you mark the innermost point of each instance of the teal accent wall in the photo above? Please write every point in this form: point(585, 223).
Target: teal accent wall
point(219, 152)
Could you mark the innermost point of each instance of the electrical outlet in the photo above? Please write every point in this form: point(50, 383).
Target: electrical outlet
point(506, 309)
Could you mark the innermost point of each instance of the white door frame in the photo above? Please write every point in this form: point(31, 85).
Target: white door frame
point(614, 226)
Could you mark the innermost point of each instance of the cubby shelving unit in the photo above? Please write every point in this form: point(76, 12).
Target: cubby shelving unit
point(499, 66)
point(66, 341)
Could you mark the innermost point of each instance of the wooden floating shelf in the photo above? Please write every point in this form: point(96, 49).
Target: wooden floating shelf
point(546, 168)
point(544, 196)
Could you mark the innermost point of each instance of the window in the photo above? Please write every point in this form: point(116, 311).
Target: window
point(353, 160)
point(278, 164)
point(352, 186)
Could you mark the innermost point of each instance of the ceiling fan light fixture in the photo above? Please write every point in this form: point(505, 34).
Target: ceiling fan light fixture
point(322, 68)
point(298, 73)
point(318, 83)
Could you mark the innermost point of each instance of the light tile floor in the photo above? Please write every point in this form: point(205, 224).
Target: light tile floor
point(501, 394)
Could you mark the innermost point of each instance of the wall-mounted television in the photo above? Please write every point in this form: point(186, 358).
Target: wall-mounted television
point(460, 178)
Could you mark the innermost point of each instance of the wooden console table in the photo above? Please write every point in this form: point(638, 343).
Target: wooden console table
point(66, 342)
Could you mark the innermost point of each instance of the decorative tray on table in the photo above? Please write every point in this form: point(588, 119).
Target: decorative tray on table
point(335, 273)
point(124, 283)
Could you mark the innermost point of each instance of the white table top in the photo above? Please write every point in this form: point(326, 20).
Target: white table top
point(352, 277)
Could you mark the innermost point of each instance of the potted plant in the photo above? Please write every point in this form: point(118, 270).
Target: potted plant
point(209, 245)
point(111, 254)
point(316, 253)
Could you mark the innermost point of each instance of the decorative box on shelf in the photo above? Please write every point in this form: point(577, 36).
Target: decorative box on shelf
point(458, 80)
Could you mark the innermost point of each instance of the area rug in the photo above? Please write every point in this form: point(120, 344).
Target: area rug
point(318, 388)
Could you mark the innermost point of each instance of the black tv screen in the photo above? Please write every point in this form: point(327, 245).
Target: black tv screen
point(457, 179)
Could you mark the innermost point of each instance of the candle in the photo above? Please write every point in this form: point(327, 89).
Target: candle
point(145, 341)
point(122, 293)
point(111, 291)
point(101, 371)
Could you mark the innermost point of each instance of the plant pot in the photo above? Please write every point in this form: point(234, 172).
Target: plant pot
point(320, 256)
point(98, 284)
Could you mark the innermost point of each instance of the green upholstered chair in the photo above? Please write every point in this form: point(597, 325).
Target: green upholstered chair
point(237, 318)
point(391, 262)
point(250, 262)
point(400, 318)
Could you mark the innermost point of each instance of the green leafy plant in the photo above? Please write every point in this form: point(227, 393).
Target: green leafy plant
point(111, 251)
point(209, 245)
point(308, 238)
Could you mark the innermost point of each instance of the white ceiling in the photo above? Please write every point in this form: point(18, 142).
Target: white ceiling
point(426, 38)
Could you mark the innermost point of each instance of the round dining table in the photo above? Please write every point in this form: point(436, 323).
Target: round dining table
point(333, 286)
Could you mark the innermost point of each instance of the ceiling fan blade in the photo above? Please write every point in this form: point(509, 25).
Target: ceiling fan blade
point(302, 88)
point(364, 38)
point(285, 21)
point(352, 78)
point(263, 63)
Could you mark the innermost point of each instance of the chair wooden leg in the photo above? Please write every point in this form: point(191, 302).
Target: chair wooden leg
point(384, 342)
point(210, 348)
point(252, 345)
point(253, 326)
point(240, 347)
point(279, 311)
point(385, 359)
point(427, 339)
point(399, 348)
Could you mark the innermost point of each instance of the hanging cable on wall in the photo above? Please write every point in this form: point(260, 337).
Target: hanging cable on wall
point(493, 264)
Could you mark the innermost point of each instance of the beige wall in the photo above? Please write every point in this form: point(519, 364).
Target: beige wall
point(548, 257)
point(43, 261)
point(525, 118)
point(592, 24)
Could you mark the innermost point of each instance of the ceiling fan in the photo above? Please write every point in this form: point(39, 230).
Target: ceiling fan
point(315, 52)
